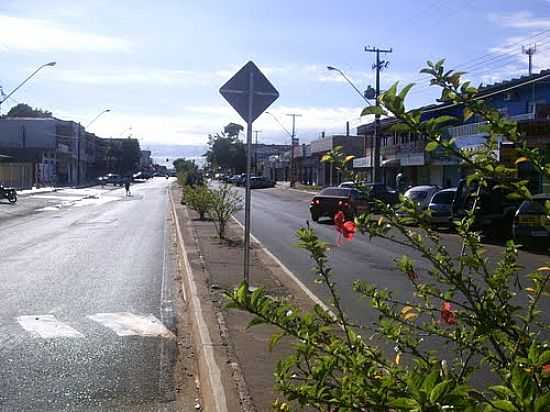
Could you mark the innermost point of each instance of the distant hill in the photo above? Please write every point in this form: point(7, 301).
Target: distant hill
point(160, 153)
point(159, 150)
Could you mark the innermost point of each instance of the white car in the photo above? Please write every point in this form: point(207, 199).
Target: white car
point(421, 195)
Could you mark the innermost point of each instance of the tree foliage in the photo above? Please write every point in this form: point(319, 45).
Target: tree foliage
point(225, 203)
point(226, 152)
point(484, 317)
point(24, 110)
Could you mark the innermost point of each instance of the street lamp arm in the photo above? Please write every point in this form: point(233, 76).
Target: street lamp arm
point(26, 80)
point(350, 83)
point(97, 117)
point(280, 124)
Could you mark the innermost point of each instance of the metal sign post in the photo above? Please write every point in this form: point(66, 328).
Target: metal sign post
point(249, 93)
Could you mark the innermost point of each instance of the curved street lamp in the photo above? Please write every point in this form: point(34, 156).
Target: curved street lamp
point(50, 64)
point(335, 69)
point(97, 117)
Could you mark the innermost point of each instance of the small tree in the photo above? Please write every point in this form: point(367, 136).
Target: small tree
point(199, 198)
point(225, 203)
point(481, 315)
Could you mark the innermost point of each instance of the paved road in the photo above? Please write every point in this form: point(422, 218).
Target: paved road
point(278, 213)
point(86, 314)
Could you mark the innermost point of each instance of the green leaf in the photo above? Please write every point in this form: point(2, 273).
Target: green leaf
point(439, 390)
point(505, 405)
point(431, 146)
point(405, 90)
point(468, 113)
point(275, 340)
point(430, 381)
point(542, 404)
point(255, 321)
point(544, 358)
point(501, 391)
point(376, 110)
point(404, 403)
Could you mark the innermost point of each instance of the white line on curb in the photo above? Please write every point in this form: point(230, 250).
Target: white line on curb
point(214, 375)
point(291, 275)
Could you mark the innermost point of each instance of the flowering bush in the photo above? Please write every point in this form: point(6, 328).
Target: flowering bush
point(485, 319)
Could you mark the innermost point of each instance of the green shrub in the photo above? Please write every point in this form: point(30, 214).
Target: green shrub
point(198, 198)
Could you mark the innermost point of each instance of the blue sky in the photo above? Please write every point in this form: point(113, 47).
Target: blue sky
point(158, 65)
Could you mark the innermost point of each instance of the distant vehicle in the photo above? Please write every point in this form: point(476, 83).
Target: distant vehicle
point(495, 212)
point(235, 179)
point(334, 199)
point(421, 195)
point(531, 226)
point(441, 207)
point(261, 182)
point(8, 193)
point(111, 178)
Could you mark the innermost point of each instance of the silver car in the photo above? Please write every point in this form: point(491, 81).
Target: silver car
point(441, 207)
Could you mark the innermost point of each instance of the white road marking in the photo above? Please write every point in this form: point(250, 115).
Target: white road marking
point(66, 198)
point(47, 326)
point(129, 324)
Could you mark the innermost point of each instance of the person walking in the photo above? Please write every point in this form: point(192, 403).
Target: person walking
point(127, 187)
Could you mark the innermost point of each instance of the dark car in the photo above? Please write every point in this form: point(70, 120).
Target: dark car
point(531, 225)
point(334, 199)
point(495, 210)
point(441, 207)
point(375, 191)
point(111, 178)
point(261, 182)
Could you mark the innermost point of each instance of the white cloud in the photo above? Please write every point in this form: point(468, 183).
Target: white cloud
point(40, 35)
point(133, 75)
point(521, 20)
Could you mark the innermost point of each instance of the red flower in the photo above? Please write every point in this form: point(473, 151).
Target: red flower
point(339, 218)
point(546, 370)
point(447, 314)
point(345, 228)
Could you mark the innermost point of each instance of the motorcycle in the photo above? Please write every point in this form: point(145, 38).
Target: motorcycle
point(8, 193)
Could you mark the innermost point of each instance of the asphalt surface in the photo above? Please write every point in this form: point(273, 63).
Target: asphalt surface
point(70, 262)
point(278, 213)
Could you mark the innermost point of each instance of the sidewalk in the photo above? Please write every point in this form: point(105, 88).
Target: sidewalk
point(298, 187)
point(242, 354)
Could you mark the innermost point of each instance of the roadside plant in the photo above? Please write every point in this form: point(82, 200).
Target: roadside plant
point(225, 202)
point(471, 336)
point(199, 198)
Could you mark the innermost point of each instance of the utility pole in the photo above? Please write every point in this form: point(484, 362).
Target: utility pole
point(375, 146)
point(292, 143)
point(256, 132)
point(530, 51)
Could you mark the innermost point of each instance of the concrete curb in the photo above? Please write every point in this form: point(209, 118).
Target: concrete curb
point(303, 191)
point(212, 388)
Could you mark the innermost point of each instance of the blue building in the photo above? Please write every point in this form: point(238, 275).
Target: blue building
point(525, 100)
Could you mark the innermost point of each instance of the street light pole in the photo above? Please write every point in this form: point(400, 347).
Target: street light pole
point(78, 138)
point(332, 68)
point(50, 64)
point(292, 171)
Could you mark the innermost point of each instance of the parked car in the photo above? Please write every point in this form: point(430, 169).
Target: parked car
point(235, 179)
point(378, 191)
point(495, 211)
point(421, 195)
point(531, 225)
point(261, 182)
point(333, 199)
point(441, 207)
